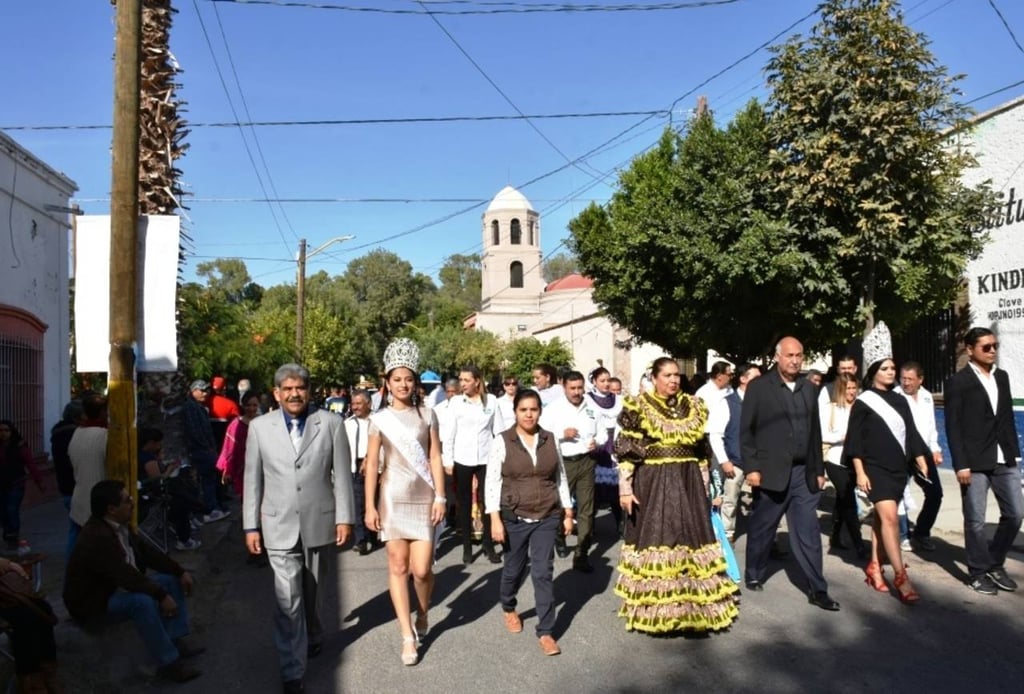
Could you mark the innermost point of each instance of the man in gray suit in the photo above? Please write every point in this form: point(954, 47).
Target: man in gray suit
point(298, 496)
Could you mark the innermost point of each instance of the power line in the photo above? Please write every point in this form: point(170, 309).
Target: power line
point(362, 121)
point(994, 92)
point(493, 8)
point(992, 4)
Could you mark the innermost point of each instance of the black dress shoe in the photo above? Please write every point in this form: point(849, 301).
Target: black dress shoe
point(820, 598)
point(314, 649)
point(294, 687)
point(561, 550)
point(363, 548)
point(755, 586)
point(467, 556)
point(492, 556)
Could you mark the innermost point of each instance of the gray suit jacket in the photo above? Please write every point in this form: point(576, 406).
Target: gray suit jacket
point(297, 496)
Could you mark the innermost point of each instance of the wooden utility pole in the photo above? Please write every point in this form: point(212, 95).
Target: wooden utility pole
point(122, 453)
point(300, 302)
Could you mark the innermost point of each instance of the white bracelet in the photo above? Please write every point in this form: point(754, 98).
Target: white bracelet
point(440, 500)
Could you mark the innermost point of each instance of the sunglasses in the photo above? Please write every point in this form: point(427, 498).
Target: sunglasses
point(511, 383)
point(990, 347)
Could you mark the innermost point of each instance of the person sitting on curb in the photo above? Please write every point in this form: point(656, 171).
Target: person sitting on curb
point(106, 582)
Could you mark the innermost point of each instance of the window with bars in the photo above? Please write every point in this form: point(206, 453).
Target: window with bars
point(21, 375)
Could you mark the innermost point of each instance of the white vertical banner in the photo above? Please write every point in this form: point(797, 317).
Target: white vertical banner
point(156, 283)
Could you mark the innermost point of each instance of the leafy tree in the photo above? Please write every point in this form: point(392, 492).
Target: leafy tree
point(523, 354)
point(873, 193)
point(229, 279)
point(558, 266)
point(460, 280)
point(686, 255)
point(447, 348)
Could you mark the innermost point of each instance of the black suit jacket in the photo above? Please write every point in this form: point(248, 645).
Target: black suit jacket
point(766, 432)
point(972, 428)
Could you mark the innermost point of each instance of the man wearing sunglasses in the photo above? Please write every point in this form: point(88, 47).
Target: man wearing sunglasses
point(983, 445)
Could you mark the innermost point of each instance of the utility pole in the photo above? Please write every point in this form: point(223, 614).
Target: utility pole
point(300, 305)
point(300, 288)
point(124, 218)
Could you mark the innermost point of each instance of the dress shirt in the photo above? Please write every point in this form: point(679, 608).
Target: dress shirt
point(835, 422)
point(923, 409)
point(718, 420)
point(712, 394)
point(495, 461)
point(988, 382)
point(468, 434)
point(357, 430)
point(562, 414)
point(550, 395)
point(504, 414)
point(126, 543)
point(301, 420)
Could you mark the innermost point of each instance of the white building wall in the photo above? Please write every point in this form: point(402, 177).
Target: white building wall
point(996, 277)
point(34, 261)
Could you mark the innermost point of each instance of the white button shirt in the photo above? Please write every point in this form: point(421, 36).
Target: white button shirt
point(495, 462)
point(923, 409)
point(562, 414)
point(357, 431)
point(712, 394)
point(988, 382)
point(468, 432)
point(718, 421)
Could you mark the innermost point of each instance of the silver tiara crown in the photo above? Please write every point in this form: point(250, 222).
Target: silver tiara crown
point(877, 345)
point(402, 352)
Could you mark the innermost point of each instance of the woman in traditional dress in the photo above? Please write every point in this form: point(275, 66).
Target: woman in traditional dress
point(404, 454)
point(882, 441)
point(672, 573)
point(835, 419)
point(606, 473)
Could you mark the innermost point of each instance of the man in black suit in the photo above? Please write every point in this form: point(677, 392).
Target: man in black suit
point(983, 445)
point(781, 442)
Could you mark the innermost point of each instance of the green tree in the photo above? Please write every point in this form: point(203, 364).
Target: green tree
point(447, 348)
point(872, 190)
point(558, 266)
point(522, 354)
point(686, 255)
point(229, 278)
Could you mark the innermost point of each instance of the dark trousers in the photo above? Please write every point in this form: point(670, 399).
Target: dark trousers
point(32, 641)
point(11, 512)
point(982, 555)
point(845, 512)
point(799, 504)
point(536, 542)
point(359, 491)
point(932, 501)
point(205, 464)
point(464, 475)
point(579, 474)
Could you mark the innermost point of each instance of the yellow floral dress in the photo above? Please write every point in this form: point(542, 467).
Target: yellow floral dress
point(672, 573)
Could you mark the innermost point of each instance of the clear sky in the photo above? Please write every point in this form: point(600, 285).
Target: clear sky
point(418, 189)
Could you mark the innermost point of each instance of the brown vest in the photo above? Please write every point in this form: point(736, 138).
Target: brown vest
point(530, 491)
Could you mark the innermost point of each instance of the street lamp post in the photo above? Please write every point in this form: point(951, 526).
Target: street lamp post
point(300, 304)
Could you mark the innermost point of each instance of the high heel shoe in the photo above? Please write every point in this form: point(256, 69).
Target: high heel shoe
point(909, 595)
point(875, 577)
point(409, 658)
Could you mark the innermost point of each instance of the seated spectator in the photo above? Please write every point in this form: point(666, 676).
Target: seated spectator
point(159, 477)
point(106, 581)
point(31, 623)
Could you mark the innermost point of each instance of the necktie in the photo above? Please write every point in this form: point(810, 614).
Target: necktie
point(296, 436)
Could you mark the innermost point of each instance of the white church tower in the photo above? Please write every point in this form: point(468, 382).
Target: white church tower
point(511, 278)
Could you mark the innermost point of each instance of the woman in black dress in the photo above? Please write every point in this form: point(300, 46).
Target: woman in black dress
point(881, 441)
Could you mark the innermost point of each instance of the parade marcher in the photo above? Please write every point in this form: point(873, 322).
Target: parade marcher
point(672, 573)
point(846, 364)
point(467, 445)
point(615, 385)
point(922, 406)
point(411, 497)
point(724, 436)
point(717, 386)
point(607, 406)
point(573, 419)
point(16, 465)
point(545, 382)
point(504, 416)
point(297, 502)
point(984, 448)
point(202, 448)
point(357, 428)
point(434, 393)
point(881, 441)
point(835, 419)
point(780, 436)
point(528, 499)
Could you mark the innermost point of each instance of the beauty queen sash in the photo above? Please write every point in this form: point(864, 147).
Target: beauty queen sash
point(403, 439)
point(893, 420)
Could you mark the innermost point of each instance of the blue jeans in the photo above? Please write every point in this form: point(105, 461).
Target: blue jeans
point(982, 555)
point(157, 632)
point(11, 511)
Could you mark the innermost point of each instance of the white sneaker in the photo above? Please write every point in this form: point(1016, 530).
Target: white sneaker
point(196, 523)
point(215, 516)
point(189, 545)
point(905, 545)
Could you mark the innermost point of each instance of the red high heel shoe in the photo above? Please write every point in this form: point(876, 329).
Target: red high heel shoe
point(909, 595)
point(875, 577)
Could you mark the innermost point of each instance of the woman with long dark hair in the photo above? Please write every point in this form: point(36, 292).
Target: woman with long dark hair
point(16, 464)
point(672, 572)
point(526, 496)
point(882, 442)
point(467, 445)
point(404, 454)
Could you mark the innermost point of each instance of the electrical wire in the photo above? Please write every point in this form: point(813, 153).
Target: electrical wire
point(992, 4)
point(493, 8)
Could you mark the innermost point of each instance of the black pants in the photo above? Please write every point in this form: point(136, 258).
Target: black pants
point(32, 641)
point(359, 492)
point(932, 501)
point(464, 475)
point(536, 542)
point(845, 513)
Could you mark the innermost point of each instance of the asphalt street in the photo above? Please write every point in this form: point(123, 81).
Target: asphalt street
point(952, 640)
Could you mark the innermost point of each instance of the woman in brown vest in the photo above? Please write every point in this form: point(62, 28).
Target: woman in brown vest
point(526, 494)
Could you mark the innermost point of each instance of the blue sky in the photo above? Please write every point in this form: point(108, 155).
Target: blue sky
point(297, 63)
